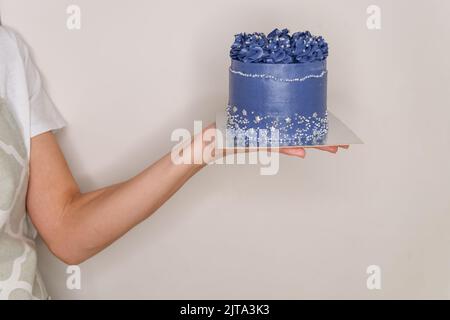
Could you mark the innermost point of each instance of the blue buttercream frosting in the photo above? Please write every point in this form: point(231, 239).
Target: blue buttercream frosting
point(279, 46)
point(279, 82)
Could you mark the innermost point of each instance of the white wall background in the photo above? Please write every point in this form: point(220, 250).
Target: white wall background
point(138, 69)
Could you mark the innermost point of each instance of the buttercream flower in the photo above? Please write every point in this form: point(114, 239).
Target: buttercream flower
point(278, 56)
point(278, 33)
point(255, 39)
point(253, 54)
point(323, 46)
point(237, 46)
point(299, 46)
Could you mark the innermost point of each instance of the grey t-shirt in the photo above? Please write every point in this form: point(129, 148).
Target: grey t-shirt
point(25, 111)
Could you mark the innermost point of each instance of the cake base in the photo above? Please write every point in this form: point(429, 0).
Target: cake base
point(338, 134)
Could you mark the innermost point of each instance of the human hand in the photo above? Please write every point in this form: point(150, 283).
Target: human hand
point(290, 151)
point(301, 152)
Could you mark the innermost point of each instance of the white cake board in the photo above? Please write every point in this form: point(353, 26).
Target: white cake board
point(338, 133)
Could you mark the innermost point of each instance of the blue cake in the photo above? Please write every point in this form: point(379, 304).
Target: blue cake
point(278, 88)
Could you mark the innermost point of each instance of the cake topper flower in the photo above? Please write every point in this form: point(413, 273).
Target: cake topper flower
point(278, 47)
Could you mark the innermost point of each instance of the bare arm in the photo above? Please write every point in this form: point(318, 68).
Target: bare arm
point(75, 225)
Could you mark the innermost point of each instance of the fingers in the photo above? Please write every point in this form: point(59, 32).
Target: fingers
point(300, 152)
point(331, 149)
point(296, 152)
point(210, 126)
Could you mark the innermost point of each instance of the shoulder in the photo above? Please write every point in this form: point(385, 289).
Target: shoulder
point(8, 37)
point(11, 43)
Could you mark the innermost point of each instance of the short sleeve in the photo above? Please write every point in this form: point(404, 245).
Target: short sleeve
point(44, 116)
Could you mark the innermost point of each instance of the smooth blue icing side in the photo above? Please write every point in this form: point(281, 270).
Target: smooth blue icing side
point(273, 94)
point(267, 96)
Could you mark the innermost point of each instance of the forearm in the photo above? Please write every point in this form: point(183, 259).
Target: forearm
point(93, 220)
point(77, 225)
